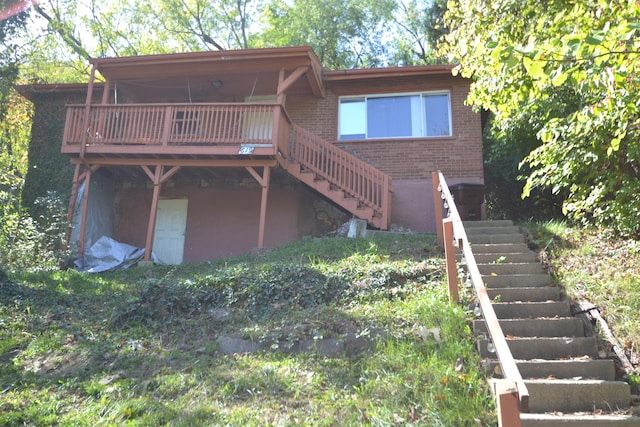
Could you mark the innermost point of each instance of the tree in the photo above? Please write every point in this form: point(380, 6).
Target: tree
point(418, 27)
point(343, 33)
point(569, 70)
point(11, 151)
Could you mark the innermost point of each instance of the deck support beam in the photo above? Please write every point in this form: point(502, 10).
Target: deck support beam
point(158, 177)
point(264, 182)
point(78, 178)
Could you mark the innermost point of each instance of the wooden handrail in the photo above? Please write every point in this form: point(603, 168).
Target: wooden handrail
point(357, 178)
point(174, 124)
point(510, 371)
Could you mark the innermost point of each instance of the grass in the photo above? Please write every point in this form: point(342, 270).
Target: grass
point(594, 266)
point(141, 347)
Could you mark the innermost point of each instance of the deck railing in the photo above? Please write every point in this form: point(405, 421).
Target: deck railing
point(512, 395)
point(174, 124)
point(357, 178)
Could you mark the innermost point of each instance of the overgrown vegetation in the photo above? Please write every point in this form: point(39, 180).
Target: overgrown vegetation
point(141, 347)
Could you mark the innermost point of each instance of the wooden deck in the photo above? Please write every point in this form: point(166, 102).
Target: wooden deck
point(202, 129)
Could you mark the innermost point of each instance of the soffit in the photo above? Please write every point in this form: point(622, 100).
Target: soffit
point(190, 76)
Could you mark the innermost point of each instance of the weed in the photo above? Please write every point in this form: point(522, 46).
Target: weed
point(139, 347)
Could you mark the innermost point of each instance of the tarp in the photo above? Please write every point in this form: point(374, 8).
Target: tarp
point(107, 254)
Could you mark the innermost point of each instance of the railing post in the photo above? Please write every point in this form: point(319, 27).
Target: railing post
point(507, 401)
point(450, 257)
point(437, 205)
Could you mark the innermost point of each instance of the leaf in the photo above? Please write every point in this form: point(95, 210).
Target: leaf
point(595, 38)
point(492, 44)
point(534, 67)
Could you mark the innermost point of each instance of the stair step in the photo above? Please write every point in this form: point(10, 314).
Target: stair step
point(516, 280)
point(496, 238)
point(552, 327)
point(498, 258)
point(546, 347)
point(575, 369)
point(574, 396)
point(537, 293)
point(511, 268)
point(488, 223)
point(578, 420)
point(499, 248)
point(508, 229)
point(529, 310)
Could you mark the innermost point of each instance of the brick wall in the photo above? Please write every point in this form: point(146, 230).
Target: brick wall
point(403, 159)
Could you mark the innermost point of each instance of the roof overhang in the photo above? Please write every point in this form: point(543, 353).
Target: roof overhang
point(233, 70)
point(389, 73)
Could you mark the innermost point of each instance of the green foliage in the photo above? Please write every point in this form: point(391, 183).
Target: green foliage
point(63, 362)
point(569, 70)
point(344, 34)
point(27, 243)
point(266, 289)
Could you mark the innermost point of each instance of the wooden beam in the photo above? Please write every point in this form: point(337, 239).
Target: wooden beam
point(105, 91)
point(87, 109)
point(264, 182)
point(85, 208)
point(507, 402)
point(437, 206)
point(157, 186)
point(218, 163)
point(285, 84)
point(450, 258)
point(72, 202)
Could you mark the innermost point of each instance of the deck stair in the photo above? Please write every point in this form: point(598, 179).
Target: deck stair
point(340, 176)
point(569, 383)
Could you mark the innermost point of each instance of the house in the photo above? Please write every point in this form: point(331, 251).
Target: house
point(210, 154)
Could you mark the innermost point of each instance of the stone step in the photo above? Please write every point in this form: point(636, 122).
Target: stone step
point(487, 223)
point(578, 420)
point(511, 268)
point(573, 396)
point(545, 347)
point(509, 229)
point(496, 238)
point(504, 258)
point(552, 327)
point(531, 310)
point(575, 369)
point(516, 280)
point(499, 248)
point(529, 294)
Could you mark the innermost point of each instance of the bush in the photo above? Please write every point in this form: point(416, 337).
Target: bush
point(30, 244)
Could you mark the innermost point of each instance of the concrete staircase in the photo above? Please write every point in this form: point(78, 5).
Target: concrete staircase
point(569, 385)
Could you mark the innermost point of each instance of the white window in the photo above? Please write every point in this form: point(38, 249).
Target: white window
point(395, 116)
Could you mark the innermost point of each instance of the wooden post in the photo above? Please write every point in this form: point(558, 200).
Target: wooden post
point(72, 203)
point(264, 181)
point(450, 257)
point(437, 205)
point(507, 401)
point(87, 111)
point(157, 186)
point(85, 208)
point(266, 178)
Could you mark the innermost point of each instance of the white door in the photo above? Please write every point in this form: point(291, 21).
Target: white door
point(171, 224)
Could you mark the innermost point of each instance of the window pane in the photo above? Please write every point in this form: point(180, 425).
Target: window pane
point(389, 117)
point(436, 108)
point(352, 119)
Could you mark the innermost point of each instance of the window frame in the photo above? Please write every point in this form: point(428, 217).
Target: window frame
point(423, 124)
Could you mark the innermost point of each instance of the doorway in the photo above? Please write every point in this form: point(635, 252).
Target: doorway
point(171, 225)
